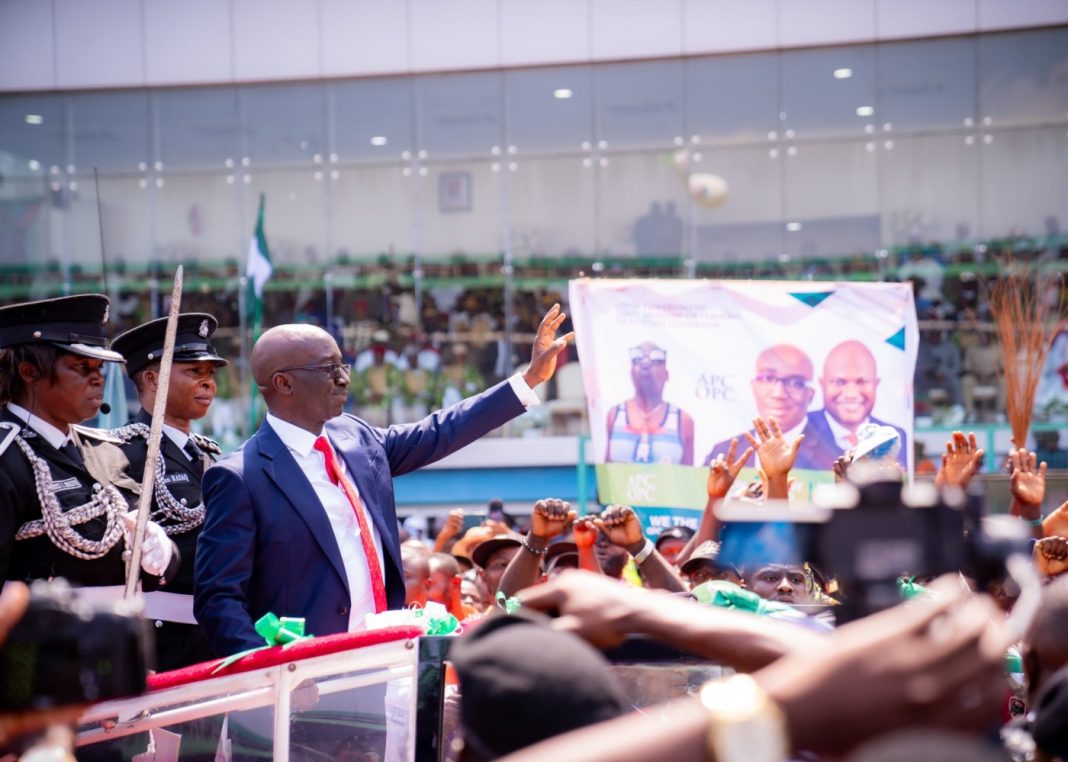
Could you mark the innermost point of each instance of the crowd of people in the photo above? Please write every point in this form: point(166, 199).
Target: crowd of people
point(301, 521)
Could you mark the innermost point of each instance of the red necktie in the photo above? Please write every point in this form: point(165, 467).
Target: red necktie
point(337, 476)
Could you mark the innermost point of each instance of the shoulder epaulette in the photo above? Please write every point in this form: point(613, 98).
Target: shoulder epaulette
point(207, 444)
point(100, 435)
point(8, 432)
point(130, 431)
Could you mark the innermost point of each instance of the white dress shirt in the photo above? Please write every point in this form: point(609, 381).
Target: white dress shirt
point(339, 512)
point(841, 433)
point(179, 437)
point(50, 433)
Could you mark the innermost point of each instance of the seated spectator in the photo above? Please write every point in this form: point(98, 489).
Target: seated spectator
point(1048, 449)
point(981, 372)
point(938, 369)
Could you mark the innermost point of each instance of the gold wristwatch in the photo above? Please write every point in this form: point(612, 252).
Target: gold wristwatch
point(744, 724)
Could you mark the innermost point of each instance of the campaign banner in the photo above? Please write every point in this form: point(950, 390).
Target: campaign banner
point(675, 369)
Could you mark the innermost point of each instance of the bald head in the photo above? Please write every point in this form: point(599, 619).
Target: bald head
point(849, 382)
point(299, 370)
point(285, 346)
point(787, 359)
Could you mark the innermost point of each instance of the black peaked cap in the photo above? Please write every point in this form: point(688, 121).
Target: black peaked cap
point(76, 324)
point(144, 344)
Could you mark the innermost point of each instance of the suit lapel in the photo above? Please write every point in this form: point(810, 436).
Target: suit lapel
point(283, 470)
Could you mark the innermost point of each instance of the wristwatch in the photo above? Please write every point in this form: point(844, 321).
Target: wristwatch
point(744, 724)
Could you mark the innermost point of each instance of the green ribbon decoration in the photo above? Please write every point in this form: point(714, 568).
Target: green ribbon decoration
point(510, 605)
point(446, 625)
point(275, 631)
point(728, 595)
point(910, 588)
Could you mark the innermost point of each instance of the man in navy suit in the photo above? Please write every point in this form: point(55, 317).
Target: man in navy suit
point(782, 390)
point(849, 383)
point(301, 519)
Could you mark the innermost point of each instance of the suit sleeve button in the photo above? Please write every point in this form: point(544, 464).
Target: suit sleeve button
point(343, 610)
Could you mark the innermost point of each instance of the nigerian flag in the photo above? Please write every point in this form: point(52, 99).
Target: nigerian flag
point(258, 270)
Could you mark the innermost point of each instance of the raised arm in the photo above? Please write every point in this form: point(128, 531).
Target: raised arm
point(620, 524)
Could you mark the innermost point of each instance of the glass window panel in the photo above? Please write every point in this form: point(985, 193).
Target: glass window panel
point(640, 104)
point(831, 199)
point(733, 98)
point(371, 211)
point(125, 209)
point(738, 216)
point(25, 215)
point(459, 114)
point(460, 209)
point(110, 131)
point(1025, 182)
point(197, 128)
point(551, 201)
point(283, 124)
point(1023, 77)
point(197, 217)
point(818, 100)
point(928, 84)
point(371, 118)
point(642, 207)
point(930, 189)
point(294, 214)
point(549, 109)
point(31, 134)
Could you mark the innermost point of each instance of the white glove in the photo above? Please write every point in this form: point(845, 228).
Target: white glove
point(157, 549)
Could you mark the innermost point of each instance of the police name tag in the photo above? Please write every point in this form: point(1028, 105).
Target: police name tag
point(173, 478)
point(66, 484)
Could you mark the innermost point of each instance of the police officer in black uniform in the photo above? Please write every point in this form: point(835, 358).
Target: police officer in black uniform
point(177, 504)
point(66, 498)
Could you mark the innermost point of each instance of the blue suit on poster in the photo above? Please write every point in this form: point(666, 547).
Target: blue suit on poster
point(267, 544)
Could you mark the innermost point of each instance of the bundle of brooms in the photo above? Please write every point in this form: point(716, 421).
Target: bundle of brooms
point(1026, 320)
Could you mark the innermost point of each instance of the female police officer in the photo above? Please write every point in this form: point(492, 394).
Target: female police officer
point(64, 491)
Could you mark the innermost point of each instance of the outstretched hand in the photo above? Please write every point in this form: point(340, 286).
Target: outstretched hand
point(776, 455)
point(724, 470)
point(960, 462)
point(546, 347)
point(1027, 482)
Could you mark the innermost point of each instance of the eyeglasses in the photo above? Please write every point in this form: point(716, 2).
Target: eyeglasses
point(791, 383)
point(655, 356)
point(330, 369)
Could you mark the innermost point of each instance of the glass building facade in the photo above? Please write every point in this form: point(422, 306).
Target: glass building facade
point(822, 152)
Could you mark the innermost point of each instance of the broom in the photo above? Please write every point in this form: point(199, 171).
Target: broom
point(1026, 323)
